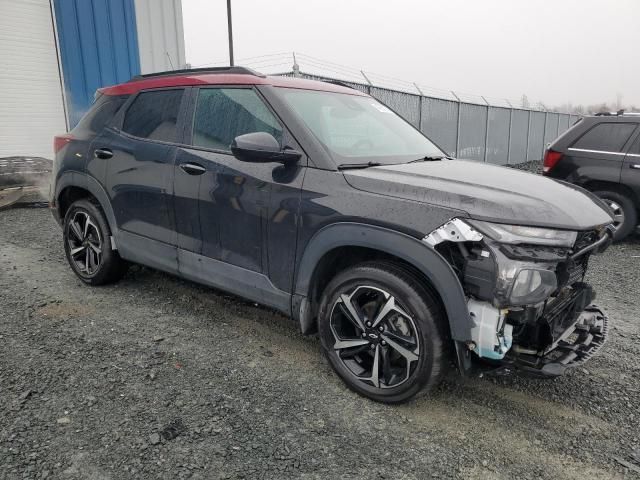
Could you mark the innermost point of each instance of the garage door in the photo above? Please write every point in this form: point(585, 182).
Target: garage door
point(31, 105)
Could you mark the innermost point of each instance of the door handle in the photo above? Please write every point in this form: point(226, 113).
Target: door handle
point(635, 166)
point(193, 168)
point(103, 153)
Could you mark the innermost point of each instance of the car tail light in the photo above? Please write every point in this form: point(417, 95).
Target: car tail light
point(60, 141)
point(551, 157)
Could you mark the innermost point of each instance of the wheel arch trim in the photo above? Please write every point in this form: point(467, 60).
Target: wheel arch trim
point(422, 256)
point(91, 185)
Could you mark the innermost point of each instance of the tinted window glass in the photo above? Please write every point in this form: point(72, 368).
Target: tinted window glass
point(154, 115)
point(100, 113)
point(608, 137)
point(357, 127)
point(635, 148)
point(224, 113)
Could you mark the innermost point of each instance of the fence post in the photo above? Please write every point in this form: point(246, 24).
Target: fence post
point(544, 131)
point(486, 132)
point(526, 153)
point(458, 129)
point(368, 81)
point(419, 106)
point(509, 135)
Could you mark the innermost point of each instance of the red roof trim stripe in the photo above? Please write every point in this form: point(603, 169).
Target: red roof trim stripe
point(223, 79)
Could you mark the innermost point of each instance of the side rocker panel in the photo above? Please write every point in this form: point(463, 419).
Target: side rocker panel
point(417, 253)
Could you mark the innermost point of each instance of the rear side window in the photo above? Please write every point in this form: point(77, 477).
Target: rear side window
point(154, 115)
point(224, 113)
point(100, 113)
point(606, 137)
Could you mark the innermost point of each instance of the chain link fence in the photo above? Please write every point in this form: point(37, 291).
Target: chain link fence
point(485, 132)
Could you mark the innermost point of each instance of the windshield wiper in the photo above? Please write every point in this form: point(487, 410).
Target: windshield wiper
point(349, 166)
point(429, 158)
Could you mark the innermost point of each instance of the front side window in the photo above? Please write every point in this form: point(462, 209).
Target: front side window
point(353, 127)
point(606, 137)
point(154, 115)
point(222, 114)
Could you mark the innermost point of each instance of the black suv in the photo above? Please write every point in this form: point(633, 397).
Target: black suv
point(602, 154)
point(317, 200)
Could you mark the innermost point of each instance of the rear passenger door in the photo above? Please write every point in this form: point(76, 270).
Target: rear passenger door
point(140, 175)
point(599, 152)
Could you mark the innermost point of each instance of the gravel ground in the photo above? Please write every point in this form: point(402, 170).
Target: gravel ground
point(156, 377)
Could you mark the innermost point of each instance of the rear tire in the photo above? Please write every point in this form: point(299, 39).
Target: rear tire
point(388, 357)
point(625, 213)
point(87, 245)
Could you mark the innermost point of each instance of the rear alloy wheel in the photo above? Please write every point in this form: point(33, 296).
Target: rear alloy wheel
point(380, 331)
point(87, 244)
point(84, 243)
point(625, 217)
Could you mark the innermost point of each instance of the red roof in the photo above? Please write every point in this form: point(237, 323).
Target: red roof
point(223, 79)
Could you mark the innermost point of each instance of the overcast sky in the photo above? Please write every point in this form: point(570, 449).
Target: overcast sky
point(580, 51)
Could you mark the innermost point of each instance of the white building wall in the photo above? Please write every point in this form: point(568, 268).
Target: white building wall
point(31, 106)
point(160, 35)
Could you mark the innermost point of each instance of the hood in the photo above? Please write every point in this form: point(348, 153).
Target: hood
point(486, 192)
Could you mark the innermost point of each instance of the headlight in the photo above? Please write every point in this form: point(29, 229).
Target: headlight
point(515, 234)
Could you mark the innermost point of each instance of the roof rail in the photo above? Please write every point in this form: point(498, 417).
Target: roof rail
point(619, 113)
point(339, 83)
point(192, 71)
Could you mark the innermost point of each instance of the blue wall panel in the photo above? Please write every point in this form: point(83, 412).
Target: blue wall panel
point(98, 47)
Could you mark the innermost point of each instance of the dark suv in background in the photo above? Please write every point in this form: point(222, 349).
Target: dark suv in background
point(602, 154)
point(319, 201)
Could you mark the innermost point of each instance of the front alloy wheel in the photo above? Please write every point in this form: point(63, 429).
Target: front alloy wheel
point(375, 338)
point(382, 331)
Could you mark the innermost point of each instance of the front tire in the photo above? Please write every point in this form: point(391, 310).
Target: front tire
point(383, 332)
point(87, 245)
point(625, 216)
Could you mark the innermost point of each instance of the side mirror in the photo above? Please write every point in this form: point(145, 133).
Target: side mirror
point(261, 147)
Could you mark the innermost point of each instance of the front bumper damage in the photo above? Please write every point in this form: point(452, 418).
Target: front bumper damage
point(542, 333)
point(578, 342)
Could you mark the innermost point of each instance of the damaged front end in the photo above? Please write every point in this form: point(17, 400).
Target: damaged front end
point(529, 307)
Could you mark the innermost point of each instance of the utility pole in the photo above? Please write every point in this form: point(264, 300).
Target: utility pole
point(230, 31)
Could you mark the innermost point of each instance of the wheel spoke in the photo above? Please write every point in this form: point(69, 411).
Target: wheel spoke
point(356, 342)
point(87, 223)
point(77, 231)
point(408, 354)
point(75, 251)
point(353, 314)
point(95, 248)
point(389, 306)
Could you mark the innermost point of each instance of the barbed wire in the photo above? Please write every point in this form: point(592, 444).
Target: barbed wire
point(325, 68)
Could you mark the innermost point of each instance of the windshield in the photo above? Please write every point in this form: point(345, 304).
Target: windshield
point(358, 129)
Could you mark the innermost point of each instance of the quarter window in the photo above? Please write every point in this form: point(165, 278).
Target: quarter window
point(154, 115)
point(101, 112)
point(606, 137)
point(224, 113)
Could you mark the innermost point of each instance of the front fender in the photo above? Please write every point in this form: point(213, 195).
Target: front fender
point(422, 256)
